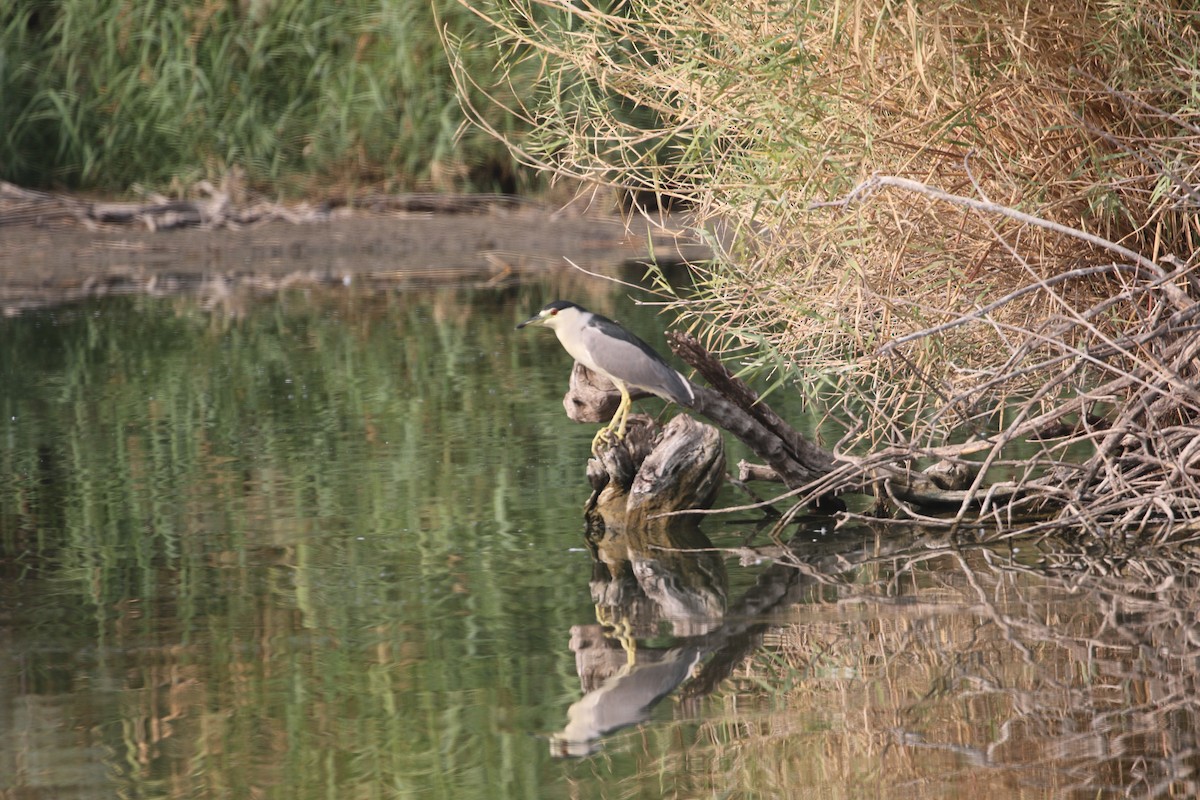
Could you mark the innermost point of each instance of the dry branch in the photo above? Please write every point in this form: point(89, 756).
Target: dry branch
point(1143, 364)
point(736, 408)
point(1138, 262)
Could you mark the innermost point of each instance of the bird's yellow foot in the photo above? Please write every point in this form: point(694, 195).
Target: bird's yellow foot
point(603, 436)
point(622, 631)
point(618, 421)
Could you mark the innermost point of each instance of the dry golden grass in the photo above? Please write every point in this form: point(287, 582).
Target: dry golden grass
point(753, 110)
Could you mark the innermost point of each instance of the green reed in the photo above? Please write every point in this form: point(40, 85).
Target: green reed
point(296, 94)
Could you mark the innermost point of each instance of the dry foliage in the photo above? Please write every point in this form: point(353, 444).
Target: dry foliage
point(1032, 237)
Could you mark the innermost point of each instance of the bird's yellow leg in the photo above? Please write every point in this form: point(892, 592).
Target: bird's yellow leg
point(618, 420)
point(598, 439)
point(622, 412)
point(622, 631)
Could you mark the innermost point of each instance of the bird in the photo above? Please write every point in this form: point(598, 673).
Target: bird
point(610, 350)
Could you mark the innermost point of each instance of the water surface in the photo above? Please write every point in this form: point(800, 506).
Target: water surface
point(328, 543)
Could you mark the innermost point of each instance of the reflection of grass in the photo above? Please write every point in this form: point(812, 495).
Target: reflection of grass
point(146, 426)
point(328, 542)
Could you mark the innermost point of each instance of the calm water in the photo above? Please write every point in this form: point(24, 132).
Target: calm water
point(329, 544)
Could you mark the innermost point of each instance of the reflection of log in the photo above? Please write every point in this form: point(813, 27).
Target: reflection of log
point(669, 562)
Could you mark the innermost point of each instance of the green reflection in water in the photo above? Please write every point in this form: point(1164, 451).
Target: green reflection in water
point(327, 546)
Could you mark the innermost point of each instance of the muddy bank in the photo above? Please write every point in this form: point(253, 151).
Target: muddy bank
point(58, 257)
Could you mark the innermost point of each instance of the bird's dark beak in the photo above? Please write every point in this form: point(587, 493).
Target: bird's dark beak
point(534, 320)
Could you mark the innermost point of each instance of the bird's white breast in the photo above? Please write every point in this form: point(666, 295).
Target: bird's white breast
point(572, 342)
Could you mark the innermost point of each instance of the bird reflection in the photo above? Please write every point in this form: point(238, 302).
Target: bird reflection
point(665, 576)
point(624, 698)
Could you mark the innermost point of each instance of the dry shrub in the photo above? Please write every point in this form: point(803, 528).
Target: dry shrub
point(767, 116)
point(752, 110)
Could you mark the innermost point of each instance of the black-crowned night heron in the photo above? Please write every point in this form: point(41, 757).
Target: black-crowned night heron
point(607, 349)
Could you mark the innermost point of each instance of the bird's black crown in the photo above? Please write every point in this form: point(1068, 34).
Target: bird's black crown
point(559, 305)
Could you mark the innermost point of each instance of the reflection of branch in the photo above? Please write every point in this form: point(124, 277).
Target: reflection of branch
point(1041, 677)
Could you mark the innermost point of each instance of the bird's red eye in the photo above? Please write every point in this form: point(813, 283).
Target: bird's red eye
point(553, 311)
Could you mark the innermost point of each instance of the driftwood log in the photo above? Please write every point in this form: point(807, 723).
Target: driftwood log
point(221, 205)
point(800, 464)
point(655, 471)
point(658, 471)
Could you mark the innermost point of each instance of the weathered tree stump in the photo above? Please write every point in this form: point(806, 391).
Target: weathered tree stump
point(647, 551)
point(657, 471)
point(653, 471)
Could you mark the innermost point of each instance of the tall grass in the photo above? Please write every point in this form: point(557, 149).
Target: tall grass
point(107, 94)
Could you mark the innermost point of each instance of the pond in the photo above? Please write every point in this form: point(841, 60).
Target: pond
point(328, 543)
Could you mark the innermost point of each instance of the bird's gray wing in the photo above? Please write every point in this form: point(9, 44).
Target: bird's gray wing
point(624, 356)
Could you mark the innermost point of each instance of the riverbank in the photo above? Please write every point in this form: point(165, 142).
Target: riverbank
point(59, 257)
